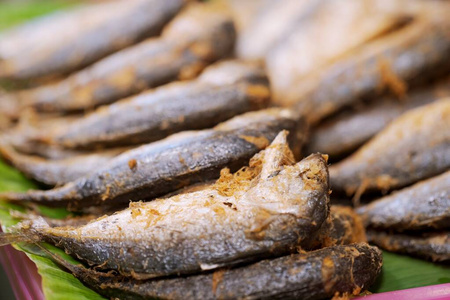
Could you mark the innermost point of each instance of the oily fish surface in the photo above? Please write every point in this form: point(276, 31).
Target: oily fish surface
point(411, 148)
point(161, 167)
point(274, 207)
point(198, 36)
point(71, 44)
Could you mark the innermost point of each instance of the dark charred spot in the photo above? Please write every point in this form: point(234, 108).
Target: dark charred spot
point(230, 205)
point(274, 173)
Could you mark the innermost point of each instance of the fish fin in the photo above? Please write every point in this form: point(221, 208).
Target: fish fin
point(89, 276)
point(24, 232)
point(6, 151)
point(12, 238)
point(277, 155)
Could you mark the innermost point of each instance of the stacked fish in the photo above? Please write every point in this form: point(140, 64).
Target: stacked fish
point(185, 137)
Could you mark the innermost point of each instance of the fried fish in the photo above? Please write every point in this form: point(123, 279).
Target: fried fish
point(425, 205)
point(433, 246)
point(64, 42)
point(413, 147)
point(222, 91)
point(158, 168)
point(414, 54)
point(320, 274)
point(319, 37)
point(266, 209)
point(347, 131)
point(198, 36)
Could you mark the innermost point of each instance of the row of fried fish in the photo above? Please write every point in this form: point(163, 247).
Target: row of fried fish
point(138, 148)
point(270, 209)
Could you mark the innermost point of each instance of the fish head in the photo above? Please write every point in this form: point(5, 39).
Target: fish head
point(301, 189)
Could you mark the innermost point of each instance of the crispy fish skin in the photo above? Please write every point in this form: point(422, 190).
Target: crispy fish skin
point(413, 147)
point(161, 167)
point(425, 205)
point(198, 36)
point(346, 132)
point(57, 172)
point(413, 54)
point(342, 227)
point(59, 44)
point(265, 210)
point(320, 274)
point(435, 247)
point(224, 90)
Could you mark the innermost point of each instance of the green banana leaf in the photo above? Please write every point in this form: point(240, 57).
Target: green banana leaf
point(56, 282)
point(13, 13)
point(399, 272)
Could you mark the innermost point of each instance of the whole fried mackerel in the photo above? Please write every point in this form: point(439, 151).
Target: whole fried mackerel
point(413, 147)
point(267, 209)
point(224, 90)
point(347, 131)
point(411, 55)
point(315, 275)
point(161, 167)
point(198, 36)
point(64, 42)
point(434, 246)
point(425, 205)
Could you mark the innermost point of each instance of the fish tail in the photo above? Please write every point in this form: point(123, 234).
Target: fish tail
point(24, 232)
point(59, 196)
point(89, 276)
point(58, 259)
point(12, 238)
point(8, 152)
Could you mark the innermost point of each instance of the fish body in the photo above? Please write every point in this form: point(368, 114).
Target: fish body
point(320, 37)
point(433, 246)
point(413, 147)
point(347, 131)
point(60, 43)
point(319, 274)
point(224, 90)
point(198, 36)
point(414, 54)
point(161, 167)
point(424, 205)
point(267, 209)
